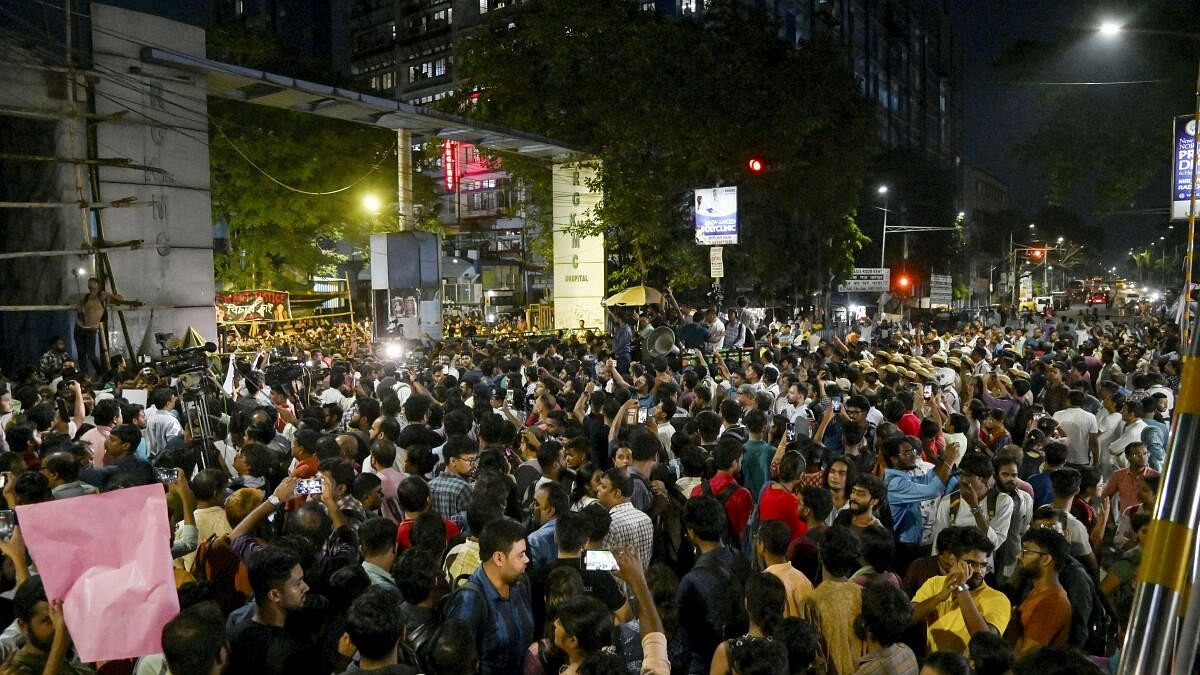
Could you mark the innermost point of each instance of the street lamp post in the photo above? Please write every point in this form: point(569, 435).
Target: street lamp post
point(883, 190)
point(1111, 29)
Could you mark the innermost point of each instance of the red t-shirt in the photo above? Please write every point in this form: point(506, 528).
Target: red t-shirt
point(910, 424)
point(737, 507)
point(777, 503)
point(404, 533)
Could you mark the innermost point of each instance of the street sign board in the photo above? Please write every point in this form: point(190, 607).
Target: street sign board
point(1182, 166)
point(941, 289)
point(716, 262)
point(867, 280)
point(716, 216)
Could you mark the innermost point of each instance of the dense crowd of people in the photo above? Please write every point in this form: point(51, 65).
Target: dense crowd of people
point(893, 500)
point(292, 338)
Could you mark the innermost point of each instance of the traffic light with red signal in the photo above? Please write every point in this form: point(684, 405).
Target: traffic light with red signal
point(756, 165)
point(1037, 255)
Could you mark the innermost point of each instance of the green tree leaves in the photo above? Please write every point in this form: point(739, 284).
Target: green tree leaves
point(669, 107)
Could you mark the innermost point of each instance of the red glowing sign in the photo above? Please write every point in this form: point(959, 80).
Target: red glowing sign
point(461, 160)
point(450, 169)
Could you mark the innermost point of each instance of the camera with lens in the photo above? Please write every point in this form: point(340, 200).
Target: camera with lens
point(179, 361)
point(281, 374)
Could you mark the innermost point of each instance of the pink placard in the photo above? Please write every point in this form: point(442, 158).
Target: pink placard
point(108, 557)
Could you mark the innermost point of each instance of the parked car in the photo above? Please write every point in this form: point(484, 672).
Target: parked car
point(1037, 305)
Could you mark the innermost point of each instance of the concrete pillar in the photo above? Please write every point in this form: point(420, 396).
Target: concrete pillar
point(404, 182)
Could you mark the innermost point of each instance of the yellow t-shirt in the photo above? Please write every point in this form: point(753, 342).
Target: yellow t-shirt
point(947, 630)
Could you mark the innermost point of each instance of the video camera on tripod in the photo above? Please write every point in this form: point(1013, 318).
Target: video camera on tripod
point(283, 374)
point(181, 360)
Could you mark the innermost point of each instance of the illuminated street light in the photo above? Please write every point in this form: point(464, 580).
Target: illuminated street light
point(1110, 29)
point(371, 203)
point(883, 189)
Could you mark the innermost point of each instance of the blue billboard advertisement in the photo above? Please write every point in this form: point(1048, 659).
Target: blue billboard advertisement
point(716, 216)
point(1183, 164)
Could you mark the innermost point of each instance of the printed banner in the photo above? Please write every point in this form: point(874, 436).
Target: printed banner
point(237, 306)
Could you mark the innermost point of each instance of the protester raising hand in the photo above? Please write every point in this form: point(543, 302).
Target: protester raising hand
point(13, 548)
point(654, 641)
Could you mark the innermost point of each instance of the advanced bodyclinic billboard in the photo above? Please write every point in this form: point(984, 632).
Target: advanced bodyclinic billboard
point(716, 216)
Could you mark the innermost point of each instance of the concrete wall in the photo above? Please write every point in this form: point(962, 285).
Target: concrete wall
point(165, 125)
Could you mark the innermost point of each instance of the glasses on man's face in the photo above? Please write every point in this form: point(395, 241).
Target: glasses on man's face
point(469, 460)
point(976, 564)
point(1034, 551)
point(909, 451)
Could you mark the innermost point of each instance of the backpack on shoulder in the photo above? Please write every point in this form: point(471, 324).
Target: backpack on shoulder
point(729, 539)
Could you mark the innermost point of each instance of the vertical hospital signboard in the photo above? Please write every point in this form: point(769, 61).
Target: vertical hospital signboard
point(579, 272)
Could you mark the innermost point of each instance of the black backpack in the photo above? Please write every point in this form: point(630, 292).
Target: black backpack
point(728, 613)
point(671, 545)
point(729, 539)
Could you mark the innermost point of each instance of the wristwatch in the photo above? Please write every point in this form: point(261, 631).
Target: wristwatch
point(274, 501)
point(962, 588)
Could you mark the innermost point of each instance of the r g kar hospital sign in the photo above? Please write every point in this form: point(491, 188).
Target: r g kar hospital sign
point(578, 261)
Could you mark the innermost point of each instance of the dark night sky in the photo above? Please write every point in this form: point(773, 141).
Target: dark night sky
point(996, 115)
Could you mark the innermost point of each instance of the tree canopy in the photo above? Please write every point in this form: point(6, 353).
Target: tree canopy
point(279, 237)
point(672, 106)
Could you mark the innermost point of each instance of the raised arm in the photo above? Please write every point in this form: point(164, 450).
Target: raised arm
point(616, 374)
point(285, 491)
point(579, 411)
point(615, 431)
point(80, 413)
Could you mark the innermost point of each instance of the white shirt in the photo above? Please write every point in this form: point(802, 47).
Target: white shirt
point(1078, 425)
point(1165, 391)
point(665, 431)
point(716, 333)
point(1116, 450)
point(331, 395)
point(1077, 536)
point(997, 531)
point(1111, 427)
point(161, 427)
